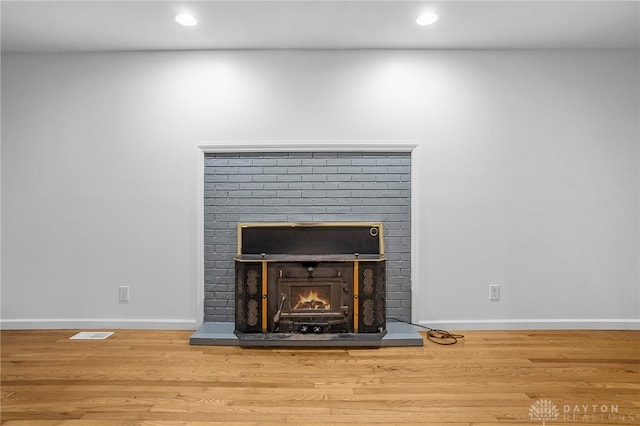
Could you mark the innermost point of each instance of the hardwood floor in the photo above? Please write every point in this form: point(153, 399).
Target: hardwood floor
point(156, 378)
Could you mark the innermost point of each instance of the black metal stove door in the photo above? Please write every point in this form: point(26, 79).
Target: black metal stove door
point(372, 297)
point(248, 297)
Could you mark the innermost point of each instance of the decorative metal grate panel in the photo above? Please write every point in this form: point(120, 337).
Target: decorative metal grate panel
point(371, 302)
point(248, 297)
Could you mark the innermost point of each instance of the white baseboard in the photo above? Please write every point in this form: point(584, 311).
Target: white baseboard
point(83, 324)
point(193, 324)
point(535, 324)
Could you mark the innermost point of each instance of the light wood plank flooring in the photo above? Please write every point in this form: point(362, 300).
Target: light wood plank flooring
point(156, 378)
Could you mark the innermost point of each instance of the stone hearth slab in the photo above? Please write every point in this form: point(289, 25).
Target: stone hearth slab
point(222, 334)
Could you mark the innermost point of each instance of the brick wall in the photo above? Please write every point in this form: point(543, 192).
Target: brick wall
point(305, 187)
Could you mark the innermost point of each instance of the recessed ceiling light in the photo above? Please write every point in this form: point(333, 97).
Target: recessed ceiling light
point(186, 19)
point(427, 19)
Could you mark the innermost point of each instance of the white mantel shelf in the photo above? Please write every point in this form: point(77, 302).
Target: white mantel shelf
point(307, 146)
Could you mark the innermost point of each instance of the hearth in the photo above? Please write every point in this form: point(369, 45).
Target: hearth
point(310, 281)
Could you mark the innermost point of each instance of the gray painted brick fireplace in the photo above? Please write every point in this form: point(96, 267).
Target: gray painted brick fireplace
point(305, 187)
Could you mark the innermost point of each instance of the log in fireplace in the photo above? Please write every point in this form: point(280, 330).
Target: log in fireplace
point(310, 282)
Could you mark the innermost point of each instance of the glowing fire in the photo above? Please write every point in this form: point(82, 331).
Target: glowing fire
point(312, 300)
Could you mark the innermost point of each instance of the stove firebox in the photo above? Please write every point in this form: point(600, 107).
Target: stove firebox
point(318, 302)
point(310, 281)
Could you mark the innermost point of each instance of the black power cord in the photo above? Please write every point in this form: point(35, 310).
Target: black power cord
point(441, 337)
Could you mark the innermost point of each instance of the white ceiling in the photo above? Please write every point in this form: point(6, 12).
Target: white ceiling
point(54, 26)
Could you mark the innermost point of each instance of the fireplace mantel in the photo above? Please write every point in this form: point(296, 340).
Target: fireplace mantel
point(308, 146)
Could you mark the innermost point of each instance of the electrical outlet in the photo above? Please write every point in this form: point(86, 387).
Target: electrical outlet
point(494, 292)
point(123, 293)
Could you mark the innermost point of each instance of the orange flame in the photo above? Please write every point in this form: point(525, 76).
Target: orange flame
point(312, 300)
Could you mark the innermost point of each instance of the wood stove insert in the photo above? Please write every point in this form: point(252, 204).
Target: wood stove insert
point(310, 282)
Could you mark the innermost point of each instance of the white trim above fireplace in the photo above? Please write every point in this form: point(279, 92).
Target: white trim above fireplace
point(308, 146)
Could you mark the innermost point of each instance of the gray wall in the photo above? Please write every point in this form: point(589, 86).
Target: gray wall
point(525, 173)
point(305, 187)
